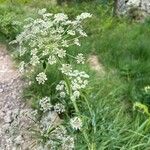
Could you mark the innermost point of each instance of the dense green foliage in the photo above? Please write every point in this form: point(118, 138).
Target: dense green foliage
point(123, 48)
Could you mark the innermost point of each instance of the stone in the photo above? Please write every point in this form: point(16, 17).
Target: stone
point(125, 6)
point(1, 90)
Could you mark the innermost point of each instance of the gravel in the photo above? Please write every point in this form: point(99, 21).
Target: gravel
point(14, 123)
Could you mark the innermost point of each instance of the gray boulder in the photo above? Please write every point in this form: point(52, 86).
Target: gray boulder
point(136, 8)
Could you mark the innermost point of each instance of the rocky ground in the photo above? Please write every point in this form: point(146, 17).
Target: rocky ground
point(14, 114)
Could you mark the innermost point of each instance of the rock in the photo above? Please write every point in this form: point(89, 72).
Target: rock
point(136, 7)
point(19, 140)
point(1, 90)
point(11, 103)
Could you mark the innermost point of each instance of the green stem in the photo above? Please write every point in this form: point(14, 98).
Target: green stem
point(90, 110)
point(78, 112)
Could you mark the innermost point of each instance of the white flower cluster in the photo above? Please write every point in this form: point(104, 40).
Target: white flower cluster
point(78, 81)
point(46, 38)
point(80, 59)
point(76, 123)
point(61, 89)
point(41, 78)
point(45, 104)
point(59, 108)
point(83, 16)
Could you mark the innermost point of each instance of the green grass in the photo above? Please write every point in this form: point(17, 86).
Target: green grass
point(126, 49)
point(123, 48)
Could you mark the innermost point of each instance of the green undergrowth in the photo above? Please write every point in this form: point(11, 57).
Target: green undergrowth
point(126, 48)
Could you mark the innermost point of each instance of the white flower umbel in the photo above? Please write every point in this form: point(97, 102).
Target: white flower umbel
point(64, 43)
point(76, 94)
point(45, 104)
point(83, 16)
point(66, 69)
point(80, 59)
point(59, 108)
point(76, 42)
point(60, 17)
point(81, 32)
point(78, 80)
point(34, 51)
point(60, 86)
point(52, 60)
point(41, 78)
point(42, 11)
point(61, 53)
point(34, 60)
point(71, 32)
point(76, 123)
point(62, 94)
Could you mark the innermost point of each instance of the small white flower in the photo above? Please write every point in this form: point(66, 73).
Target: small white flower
point(60, 17)
point(76, 123)
point(83, 16)
point(45, 52)
point(81, 32)
point(76, 42)
point(85, 82)
point(80, 58)
point(59, 87)
point(62, 94)
point(42, 11)
point(34, 51)
point(76, 94)
point(83, 74)
point(64, 43)
point(71, 32)
point(41, 78)
point(45, 104)
point(75, 86)
point(34, 60)
point(52, 60)
point(66, 69)
point(59, 108)
point(61, 53)
point(60, 29)
point(45, 16)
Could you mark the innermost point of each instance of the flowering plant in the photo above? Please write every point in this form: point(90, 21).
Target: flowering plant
point(45, 41)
